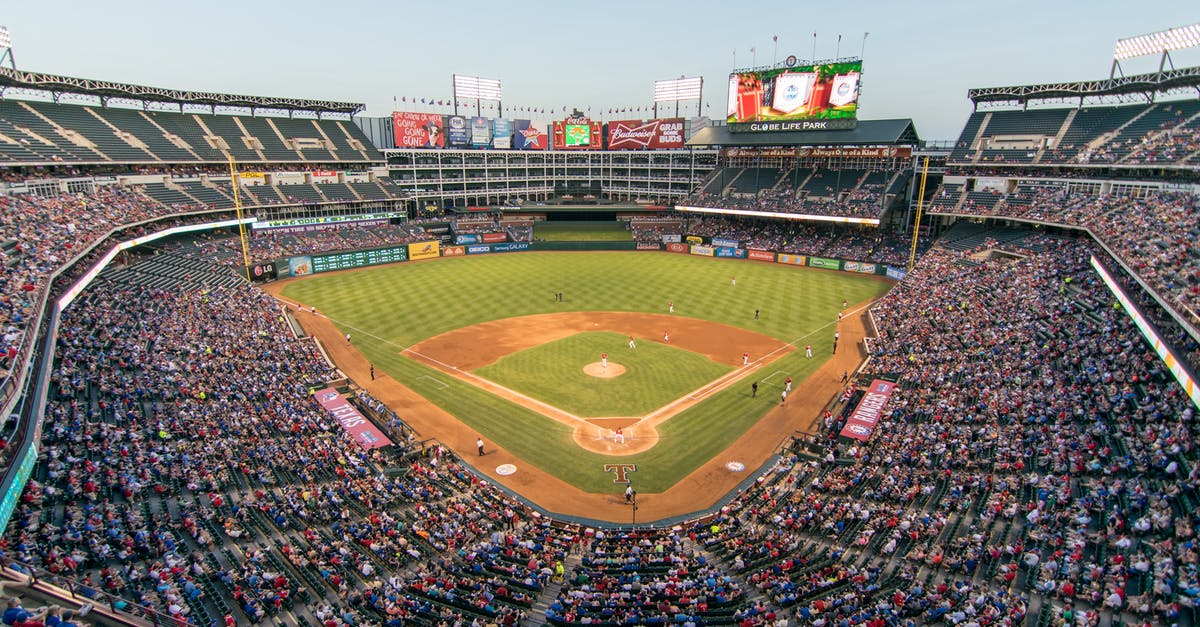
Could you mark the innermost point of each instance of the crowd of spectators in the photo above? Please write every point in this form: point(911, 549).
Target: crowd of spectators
point(1153, 233)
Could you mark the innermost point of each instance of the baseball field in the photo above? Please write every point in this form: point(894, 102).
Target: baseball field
point(483, 346)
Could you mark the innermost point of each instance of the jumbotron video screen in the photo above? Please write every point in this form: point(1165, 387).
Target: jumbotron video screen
point(807, 92)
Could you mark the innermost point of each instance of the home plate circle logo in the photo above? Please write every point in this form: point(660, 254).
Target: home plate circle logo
point(735, 466)
point(505, 470)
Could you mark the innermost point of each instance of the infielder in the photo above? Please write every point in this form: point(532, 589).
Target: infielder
point(631, 344)
point(745, 359)
point(604, 360)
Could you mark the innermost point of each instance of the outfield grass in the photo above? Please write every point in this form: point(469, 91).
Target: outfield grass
point(391, 307)
point(607, 231)
point(655, 374)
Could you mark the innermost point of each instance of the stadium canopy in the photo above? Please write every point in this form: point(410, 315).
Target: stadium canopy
point(57, 85)
point(867, 133)
point(1137, 85)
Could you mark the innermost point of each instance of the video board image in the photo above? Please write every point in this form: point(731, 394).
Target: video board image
point(828, 91)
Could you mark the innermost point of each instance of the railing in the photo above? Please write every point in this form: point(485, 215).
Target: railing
point(121, 610)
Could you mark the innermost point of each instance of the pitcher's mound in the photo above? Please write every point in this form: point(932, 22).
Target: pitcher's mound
point(597, 370)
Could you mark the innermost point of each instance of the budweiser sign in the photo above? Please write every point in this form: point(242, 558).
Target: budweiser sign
point(635, 134)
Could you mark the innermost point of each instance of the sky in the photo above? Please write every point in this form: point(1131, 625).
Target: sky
point(919, 58)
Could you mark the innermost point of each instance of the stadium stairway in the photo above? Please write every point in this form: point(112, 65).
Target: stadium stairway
point(551, 589)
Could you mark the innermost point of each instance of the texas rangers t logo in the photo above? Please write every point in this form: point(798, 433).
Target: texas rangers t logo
point(622, 471)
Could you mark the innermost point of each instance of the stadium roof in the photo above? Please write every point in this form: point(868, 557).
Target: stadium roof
point(10, 78)
point(1138, 84)
point(866, 133)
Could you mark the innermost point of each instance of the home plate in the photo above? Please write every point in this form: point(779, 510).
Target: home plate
point(505, 470)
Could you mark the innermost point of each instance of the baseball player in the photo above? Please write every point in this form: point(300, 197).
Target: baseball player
point(631, 343)
point(787, 384)
point(733, 280)
point(667, 337)
point(619, 436)
point(604, 360)
point(671, 306)
point(808, 350)
point(746, 359)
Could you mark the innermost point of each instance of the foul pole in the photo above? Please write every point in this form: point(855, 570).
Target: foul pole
point(912, 254)
point(237, 207)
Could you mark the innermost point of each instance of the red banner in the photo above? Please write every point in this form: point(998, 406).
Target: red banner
point(492, 238)
point(761, 255)
point(861, 424)
point(362, 430)
point(454, 251)
point(324, 173)
point(418, 130)
point(675, 247)
point(472, 208)
point(638, 134)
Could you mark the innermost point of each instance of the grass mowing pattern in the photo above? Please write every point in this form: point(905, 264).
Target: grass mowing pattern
point(655, 374)
point(391, 307)
point(582, 232)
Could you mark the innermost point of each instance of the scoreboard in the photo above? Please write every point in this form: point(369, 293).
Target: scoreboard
point(358, 258)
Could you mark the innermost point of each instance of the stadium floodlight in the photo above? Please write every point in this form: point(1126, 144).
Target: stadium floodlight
point(1177, 38)
point(477, 88)
point(5, 38)
point(678, 89)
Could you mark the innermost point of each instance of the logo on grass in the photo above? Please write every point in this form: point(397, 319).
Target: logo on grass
point(622, 471)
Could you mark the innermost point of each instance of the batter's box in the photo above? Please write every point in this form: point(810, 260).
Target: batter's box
point(441, 384)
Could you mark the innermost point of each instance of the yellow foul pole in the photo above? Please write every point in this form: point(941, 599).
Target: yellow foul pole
point(912, 254)
point(237, 207)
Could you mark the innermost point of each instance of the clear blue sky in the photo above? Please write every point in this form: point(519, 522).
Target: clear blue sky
point(920, 58)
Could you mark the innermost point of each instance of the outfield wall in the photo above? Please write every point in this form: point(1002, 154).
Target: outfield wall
point(304, 265)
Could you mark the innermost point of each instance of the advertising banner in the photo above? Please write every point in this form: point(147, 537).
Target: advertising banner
point(424, 250)
point(861, 424)
point(530, 135)
point(648, 246)
point(362, 430)
point(454, 251)
point(324, 174)
point(694, 239)
point(736, 253)
point(502, 134)
point(706, 251)
point(858, 266)
point(262, 272)
point(458, 133)
point(796, 260)
point(492, 238)
point(466, 238)
point(510, 247)
point(902, 152)
point(418, 130)
point(642, 134)
point(672, 238)
point(481, 132)
point(676, 247)
point(725, 241)
point(479, 249)
point(761, 255)
point(578, 132)
point(300, 266)
point(894, 272)
point(821, 262)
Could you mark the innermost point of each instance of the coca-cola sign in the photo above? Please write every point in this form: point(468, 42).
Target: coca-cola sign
point(637, 134)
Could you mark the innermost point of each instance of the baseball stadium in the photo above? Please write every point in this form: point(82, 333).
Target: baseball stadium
point(469, 361)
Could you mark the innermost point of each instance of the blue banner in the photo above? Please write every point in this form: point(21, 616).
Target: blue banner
point(458, 133)
point(510, 247)
point(896, 273)
point(479, 249)
point(726, 251)
point(481, 132)
point(502, 134)
point(466, 238)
